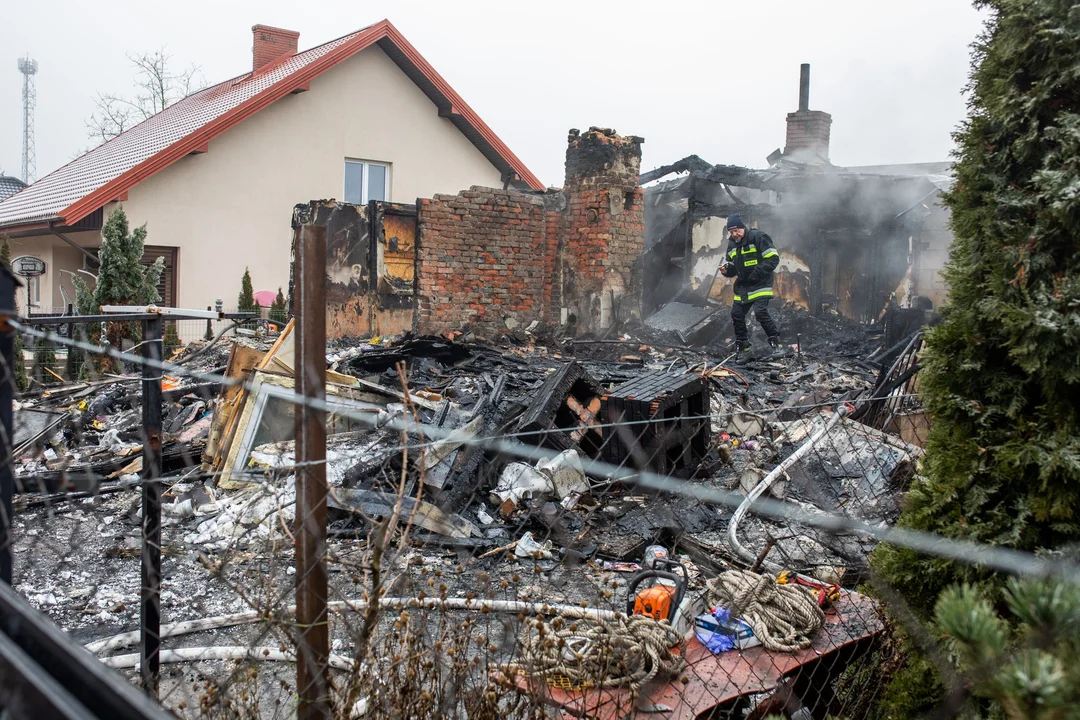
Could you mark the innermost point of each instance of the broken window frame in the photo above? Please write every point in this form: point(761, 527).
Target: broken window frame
point(365, 181)
point(264, 387)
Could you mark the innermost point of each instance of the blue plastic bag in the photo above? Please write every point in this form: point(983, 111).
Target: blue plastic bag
point(719, 632)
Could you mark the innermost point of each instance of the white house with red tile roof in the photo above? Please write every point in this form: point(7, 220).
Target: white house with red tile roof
point(215, 176)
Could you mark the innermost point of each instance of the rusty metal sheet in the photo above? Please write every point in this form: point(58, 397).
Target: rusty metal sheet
point(710, 680)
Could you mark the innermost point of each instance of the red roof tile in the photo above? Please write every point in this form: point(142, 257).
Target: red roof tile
point(108, 171)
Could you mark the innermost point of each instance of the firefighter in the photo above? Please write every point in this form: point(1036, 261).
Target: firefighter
point(751, 259)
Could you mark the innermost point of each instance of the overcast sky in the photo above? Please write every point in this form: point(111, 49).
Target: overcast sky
point(708, 78)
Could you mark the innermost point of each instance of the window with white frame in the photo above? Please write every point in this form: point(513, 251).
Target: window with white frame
point(365, 181)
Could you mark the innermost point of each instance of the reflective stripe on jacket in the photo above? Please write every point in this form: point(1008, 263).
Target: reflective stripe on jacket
point(754, 258)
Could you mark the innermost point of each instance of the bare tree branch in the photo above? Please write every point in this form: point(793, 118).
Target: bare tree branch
point(157, 86)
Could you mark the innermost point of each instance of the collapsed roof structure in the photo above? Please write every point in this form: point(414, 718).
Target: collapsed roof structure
point(851, 239)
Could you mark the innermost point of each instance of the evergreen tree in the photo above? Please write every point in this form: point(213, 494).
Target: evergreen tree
point(44, 357)
point(122, 278)
point(1001, 372)
point(1026, 664)
point(170, 340)
point(246, 301)
point(21, 381)
point(279, 311)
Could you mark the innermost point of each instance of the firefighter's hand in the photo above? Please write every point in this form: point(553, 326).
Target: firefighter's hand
point(727, 270)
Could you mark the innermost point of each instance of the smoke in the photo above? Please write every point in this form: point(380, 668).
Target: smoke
point(865, 230)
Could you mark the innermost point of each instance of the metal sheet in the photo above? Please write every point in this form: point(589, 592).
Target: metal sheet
point(397, 253)
point(681, 318)
point(370, 265)
point(31, 425)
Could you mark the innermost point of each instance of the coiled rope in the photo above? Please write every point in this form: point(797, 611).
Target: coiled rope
point(627, 651)
point(782, 616)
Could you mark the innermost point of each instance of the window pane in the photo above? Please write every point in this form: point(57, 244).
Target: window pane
point(354, 182)
point(376, 182)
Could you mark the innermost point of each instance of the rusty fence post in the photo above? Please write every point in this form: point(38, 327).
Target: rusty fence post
point(313, 636)
point(150, 590)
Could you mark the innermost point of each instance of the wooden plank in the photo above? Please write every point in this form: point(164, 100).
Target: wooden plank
point(276, 347)
point(242, 361)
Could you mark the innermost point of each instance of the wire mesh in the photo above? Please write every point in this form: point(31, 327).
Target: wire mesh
point(479, 566)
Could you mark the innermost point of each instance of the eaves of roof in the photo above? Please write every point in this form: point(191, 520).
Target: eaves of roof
point(389, 39)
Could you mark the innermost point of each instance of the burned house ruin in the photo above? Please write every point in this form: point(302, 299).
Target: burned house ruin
point(493, 260)
point(852, 240)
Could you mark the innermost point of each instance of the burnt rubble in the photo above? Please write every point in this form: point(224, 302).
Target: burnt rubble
point(623, 403)
point(524, 454)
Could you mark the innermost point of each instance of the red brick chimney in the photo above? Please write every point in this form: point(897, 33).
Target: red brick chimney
point(807, 130)
point(271, 44)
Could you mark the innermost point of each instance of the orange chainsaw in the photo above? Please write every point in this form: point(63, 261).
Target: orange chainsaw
point(659, 601)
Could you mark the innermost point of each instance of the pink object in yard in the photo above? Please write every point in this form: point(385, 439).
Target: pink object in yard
point(265, 298)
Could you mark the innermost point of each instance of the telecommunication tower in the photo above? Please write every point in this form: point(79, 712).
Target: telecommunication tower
point(28, 68)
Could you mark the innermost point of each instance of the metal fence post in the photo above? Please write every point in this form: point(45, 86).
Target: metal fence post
point(313, 638)
point(8, 283)
point(150, 595)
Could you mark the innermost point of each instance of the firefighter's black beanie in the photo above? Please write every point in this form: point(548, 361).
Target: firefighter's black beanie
point(735, 221)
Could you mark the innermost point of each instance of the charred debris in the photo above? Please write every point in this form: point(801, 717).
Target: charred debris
point(566, 461)
point(866, 245)
point(529, 435)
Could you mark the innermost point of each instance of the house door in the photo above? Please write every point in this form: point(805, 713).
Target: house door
point(167, 284)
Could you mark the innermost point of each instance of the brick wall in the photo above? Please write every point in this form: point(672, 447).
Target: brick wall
point(270, 43)
point(485, 261)
point(808, 135)
point(496, 260)
point(604, 229)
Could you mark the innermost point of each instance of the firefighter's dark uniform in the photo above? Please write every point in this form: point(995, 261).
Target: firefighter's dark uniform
point(754, 259)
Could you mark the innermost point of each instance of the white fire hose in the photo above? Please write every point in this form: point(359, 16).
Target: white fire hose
point(781, 469)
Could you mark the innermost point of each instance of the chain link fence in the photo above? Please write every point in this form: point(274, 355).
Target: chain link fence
point(511, 531)
point(51, 363)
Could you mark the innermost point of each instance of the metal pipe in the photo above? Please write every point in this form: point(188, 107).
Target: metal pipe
point(804, 87)
point(478, 605)
point(71, 242)
point(768, 480)
point(178, 313)
point(150, 594)
point(226, 652)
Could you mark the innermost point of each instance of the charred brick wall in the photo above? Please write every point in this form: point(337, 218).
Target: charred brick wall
point(485, 261)
point(604, 230)
point(495, 260)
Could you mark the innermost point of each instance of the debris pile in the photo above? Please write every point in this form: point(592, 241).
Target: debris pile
point(510, 456)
